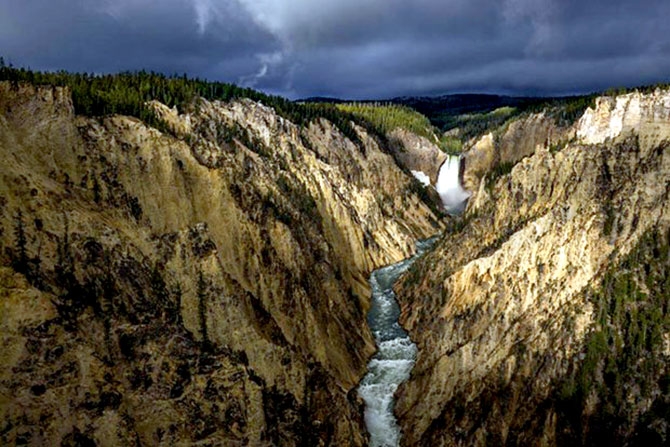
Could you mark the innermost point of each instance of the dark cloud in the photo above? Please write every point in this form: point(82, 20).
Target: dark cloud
point(102, 36)
point(352, 48)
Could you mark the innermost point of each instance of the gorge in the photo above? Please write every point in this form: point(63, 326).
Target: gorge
point(396, 353)
point(392, 363)
point(205, 272)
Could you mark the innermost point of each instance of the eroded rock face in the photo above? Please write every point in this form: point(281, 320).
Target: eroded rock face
point(416, 153)
point(510, 310)
point(645, 115)
point(519, 139)
point(209, 286)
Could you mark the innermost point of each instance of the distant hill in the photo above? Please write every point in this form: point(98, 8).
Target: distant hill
point(446, 112)
point(463, 103)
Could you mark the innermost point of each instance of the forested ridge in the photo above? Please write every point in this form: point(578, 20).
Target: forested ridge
point(466, 116)
point(127, 93)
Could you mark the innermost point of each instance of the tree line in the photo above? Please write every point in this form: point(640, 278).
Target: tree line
point(127, 93)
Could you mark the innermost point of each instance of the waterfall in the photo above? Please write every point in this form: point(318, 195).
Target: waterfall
point(449, 186)
point(394, 360)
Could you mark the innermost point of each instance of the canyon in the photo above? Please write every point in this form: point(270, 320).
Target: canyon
point(186, 286)
point(207, 281)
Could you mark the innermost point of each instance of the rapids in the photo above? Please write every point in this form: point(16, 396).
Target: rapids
point(393, 362)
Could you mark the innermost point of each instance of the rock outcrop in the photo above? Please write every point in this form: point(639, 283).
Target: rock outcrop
point(542, 317)
point(519, 139)
point(203, 285)
point(645, 115)
point(417, 153)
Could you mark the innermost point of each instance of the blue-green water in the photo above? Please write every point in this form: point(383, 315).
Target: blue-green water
point(394, 360)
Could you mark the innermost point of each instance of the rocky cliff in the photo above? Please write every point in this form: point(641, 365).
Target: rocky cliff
point(541, 318)
point(202, 284)
point(495, 152)
point(417, 153)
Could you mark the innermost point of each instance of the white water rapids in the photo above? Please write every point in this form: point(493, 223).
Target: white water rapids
point(394, 360)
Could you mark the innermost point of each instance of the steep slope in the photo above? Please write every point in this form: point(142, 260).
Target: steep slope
point(493, 154)
point(205, 285)
point(417, 153)
point(542, 317)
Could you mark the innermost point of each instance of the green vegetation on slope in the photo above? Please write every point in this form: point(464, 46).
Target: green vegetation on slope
point(127, 94)
point(566, 110)
point(470, 116)
point(624, 364)
point(387, 117)
point(473, 124)
point(443, 107)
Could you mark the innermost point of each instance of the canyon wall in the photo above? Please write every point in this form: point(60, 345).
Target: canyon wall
point(204, 283)
point(509, 144)
point(541, 317)
point(417, 153)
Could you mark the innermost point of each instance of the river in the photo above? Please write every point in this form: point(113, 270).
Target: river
point(394, 360)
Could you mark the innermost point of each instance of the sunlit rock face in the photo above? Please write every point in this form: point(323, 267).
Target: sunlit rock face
point(204, 285)
point(521, 138)
point(509, 309)
point(645, 115)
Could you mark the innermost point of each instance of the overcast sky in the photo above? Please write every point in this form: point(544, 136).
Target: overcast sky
point(352, 48)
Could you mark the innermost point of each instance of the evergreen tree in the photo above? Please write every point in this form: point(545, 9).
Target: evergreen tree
point(202, 312)
point(20, 261)
point(97, 197)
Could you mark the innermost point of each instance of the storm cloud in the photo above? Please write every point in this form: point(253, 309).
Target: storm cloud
point(352, 48)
